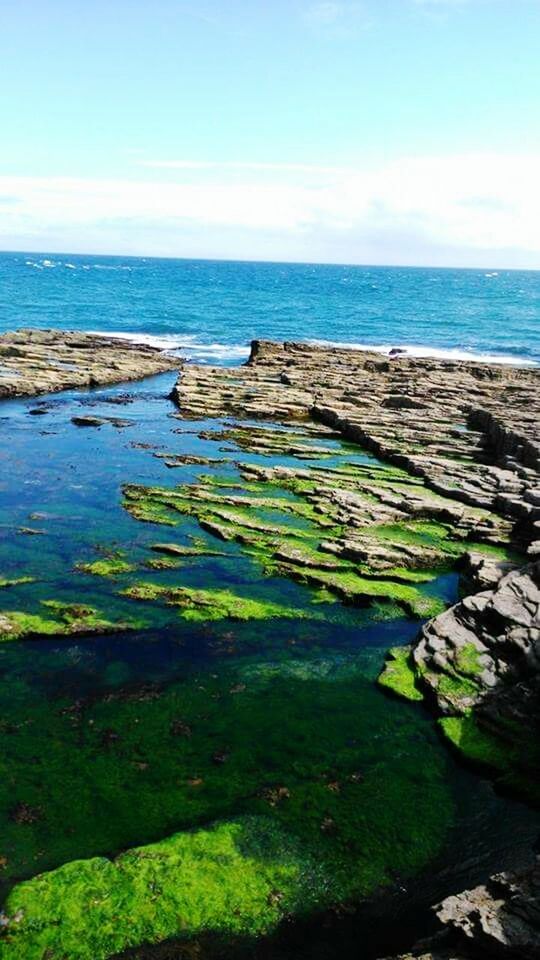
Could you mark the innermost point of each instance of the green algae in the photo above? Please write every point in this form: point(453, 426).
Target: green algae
point(206, 605)
point(15, 581)
point(458, 691)
point(309, 814)
point(65, 619)
point(399, 676)
point(162, 563)
point(234, 878)
point(113, 566)
point(354, 588)
point(476, 744)
point(197, 549)
point(467, 660)
point(287, 550)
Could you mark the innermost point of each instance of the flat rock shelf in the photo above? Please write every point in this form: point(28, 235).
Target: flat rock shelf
point(40, 361)
point(268, 640)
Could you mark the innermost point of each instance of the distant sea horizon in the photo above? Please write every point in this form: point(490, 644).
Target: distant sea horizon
point(210, 309)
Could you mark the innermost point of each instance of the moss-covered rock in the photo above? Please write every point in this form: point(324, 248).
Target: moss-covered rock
point(111, 565)
point(202, 605)
point(63, 619)
point(398, 674)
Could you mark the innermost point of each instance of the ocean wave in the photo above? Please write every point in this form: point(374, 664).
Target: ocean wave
point(192, 348)
point(107, 266)
point(440, 353)
point(188, 345)
point(51, 264)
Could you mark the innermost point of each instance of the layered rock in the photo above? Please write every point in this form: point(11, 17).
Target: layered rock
point(43, 361)
point(470, 430)
point(464, 439)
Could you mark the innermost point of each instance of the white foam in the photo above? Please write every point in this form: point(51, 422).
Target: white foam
point(440, 353)
point(187, 344)
point(190, 347)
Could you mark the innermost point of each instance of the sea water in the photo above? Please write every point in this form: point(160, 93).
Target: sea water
point(210, 310)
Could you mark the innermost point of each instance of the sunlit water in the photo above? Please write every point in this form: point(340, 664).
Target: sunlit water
point(211, 310)
point(86, 721)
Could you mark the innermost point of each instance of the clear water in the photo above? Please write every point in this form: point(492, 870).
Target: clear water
point(211, 310)
point(69, 747)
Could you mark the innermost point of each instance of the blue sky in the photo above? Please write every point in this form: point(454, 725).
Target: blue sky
point(382, 131)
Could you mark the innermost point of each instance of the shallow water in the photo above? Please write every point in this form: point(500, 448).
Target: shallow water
point(117, 740)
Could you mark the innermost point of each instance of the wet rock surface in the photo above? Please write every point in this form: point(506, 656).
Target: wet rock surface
point(43, 361)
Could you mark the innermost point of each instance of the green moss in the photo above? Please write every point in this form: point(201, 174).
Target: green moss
point(398, 675)
point(15, 581)
point(65, 619)
point(203, 605)
point(109, 566)
point(238, 878)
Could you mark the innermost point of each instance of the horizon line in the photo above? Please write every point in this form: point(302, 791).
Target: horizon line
point(305, 263)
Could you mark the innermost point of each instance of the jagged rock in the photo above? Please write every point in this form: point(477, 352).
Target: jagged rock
point(498, 920)
point(488, 638)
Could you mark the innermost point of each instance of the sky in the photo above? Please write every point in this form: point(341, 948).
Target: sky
point(377, 131)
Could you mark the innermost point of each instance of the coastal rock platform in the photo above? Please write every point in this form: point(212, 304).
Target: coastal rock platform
point(470, 434)
point(308, 495)
point(33, 362)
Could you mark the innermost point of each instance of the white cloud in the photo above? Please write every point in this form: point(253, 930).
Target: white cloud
point(240, 165)
point(467, 208)
point(441, 3)
point(325, 12)
point(330, 13)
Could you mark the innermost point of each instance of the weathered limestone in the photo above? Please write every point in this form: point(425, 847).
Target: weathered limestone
point(44, 361)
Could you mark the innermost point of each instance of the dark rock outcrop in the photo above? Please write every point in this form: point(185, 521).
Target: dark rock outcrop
point(498, 920)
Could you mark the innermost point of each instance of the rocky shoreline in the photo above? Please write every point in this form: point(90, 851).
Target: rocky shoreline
point(472, 434)
point(458, 489)
point(34, 362)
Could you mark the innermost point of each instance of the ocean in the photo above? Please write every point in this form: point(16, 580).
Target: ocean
point(211, 310)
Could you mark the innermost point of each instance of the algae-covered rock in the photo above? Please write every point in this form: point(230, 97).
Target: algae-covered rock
point(61, 619)
point(202, 605)
point(398, 674)
point(239, 877)
point(111, 565)
point(15, 581)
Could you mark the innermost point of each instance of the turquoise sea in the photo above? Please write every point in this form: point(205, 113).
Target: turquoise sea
point(210, 310)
